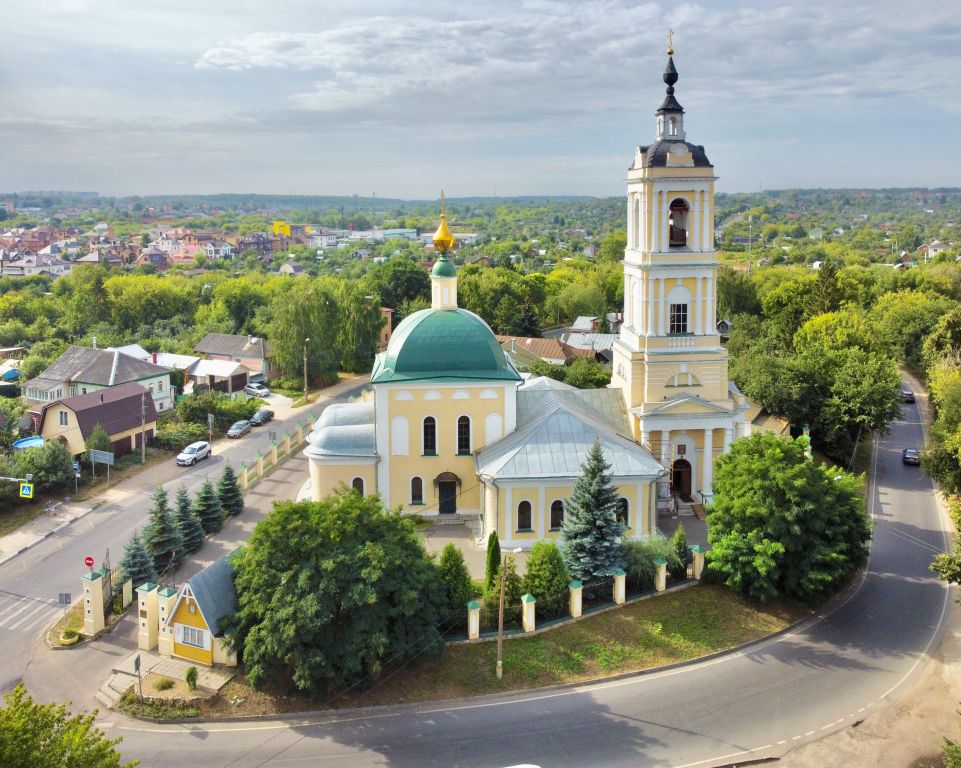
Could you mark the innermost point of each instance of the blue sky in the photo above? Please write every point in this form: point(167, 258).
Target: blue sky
point(402, 99)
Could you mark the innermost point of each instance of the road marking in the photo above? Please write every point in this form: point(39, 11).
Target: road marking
point(12, 607)
point(39, 608)
point(795, 738)
point(54, 611)
point(724, 757)
point(809, 733)
point(18, 612)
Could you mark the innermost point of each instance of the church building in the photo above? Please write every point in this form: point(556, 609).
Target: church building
point(452, 429)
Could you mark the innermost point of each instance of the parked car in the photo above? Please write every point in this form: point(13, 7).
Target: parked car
point(911, 456)
point(257, 390)
point(907, 396)
point(239, 428)
point(194, 453)
point(261, 417)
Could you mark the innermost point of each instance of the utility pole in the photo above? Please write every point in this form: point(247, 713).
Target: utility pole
point(750, 237)
point(143, 428)
point(306, 341)
point(500, 615)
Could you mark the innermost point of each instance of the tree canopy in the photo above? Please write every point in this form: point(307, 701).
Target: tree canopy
point(331, 591)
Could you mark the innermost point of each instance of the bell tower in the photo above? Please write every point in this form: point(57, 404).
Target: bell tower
point(668, 359)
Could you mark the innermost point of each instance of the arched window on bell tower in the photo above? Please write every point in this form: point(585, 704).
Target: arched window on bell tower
point(679, 223)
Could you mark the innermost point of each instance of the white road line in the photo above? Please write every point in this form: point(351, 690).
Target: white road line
point(39, 608)
point(809, 733)
point(724, 757)
point(54, 611)
point(11, 607)
point(16, 613)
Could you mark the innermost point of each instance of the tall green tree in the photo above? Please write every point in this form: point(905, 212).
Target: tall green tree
point(547, 579)
point(229, 493)
point(136, 562)
point(208, 508)
point(49, 736)
point(493, 560)
point(308, 309)
point(329, 590)
point(11, 411)
point(188, 522)
point(590, 532)
point(161, 537)
point(458, 587)
point(99, 440)
point(783, 525)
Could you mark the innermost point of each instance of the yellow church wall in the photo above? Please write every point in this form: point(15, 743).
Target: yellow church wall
point(195, 619)
point(326, 478)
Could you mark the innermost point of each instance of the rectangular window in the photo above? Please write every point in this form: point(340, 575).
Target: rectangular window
point(193, 636)
point(63, 418)
point(678, 318)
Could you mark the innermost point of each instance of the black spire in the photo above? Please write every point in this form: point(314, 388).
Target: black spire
point(670, 104)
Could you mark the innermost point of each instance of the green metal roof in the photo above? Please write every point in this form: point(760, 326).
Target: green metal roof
point(444, 267)
point(443, 344)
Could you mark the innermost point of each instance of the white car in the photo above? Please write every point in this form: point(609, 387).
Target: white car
point(194, 453)
point(257, 390)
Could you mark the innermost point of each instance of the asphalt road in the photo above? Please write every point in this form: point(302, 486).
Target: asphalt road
point(859, 654)
point(30, 583)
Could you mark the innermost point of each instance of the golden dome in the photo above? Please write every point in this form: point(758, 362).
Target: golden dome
point(443, 238)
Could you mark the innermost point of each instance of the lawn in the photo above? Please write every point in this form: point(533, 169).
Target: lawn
point(651, 633)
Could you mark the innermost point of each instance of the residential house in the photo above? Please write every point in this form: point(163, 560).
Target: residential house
point(291, 269)
point(126, 412)
point(29, 262)
point(585, 324)
point(218, 249)
point(523, 350)
point(155, 258)
point(224, 376)
point(191, 617)
point(81, 370)
point(252, 352)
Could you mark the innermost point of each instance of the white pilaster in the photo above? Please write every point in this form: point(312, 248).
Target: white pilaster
point(665, 446)
point(662, 307)
point(700, 307)
point(707, 477)
point(649, 326)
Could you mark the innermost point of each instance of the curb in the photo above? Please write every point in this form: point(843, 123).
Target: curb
point(48, 534)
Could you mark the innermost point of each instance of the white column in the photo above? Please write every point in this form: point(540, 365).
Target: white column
point(728, 437)
point(630, 221)
point(645, 437)
point(699, 303)
point(656, 229)
point(662, 306)
point(707, 456)
point(694, 243)
point(665, 446)
point(665, 223)
point(711, 308)
point(649, 290)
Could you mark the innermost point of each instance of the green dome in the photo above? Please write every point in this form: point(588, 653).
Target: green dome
point(443, 344)
point(444, 267)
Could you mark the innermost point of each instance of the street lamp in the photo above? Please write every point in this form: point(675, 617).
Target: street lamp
point(500, 618)
point(306, 341)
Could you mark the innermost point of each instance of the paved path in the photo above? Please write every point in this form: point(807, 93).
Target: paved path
point(858, 656)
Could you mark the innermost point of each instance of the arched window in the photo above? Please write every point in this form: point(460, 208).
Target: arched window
point(524, 516)
point(463, 434)
point(430, 436)
point(673, 126)
point(358, 485)
point(678, 222)
point(416, 490)
point(623, 512)
point(557, 514)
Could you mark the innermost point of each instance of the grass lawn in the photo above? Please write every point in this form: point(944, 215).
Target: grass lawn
point(74, 621)
point(650, 633)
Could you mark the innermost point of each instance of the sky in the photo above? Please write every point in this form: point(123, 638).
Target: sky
point(405, 98)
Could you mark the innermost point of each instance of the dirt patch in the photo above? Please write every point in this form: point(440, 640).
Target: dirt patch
point(178, 690)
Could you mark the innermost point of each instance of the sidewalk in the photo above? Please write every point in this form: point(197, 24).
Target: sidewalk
point(43, 526)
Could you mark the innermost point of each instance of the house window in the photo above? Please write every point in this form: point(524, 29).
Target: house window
point(63, 418)
point(678, 318)
point(430, 436)
point(160, 386)
point(416, 490)
point(524, 516)
point(622, 512)
point(192, 636)
point(358, 485)
point(557, 514)
point(463, 434)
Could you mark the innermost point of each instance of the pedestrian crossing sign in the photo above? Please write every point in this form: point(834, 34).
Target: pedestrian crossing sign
point(26, 490)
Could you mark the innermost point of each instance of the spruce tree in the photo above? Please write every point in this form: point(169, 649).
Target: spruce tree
point(136, 562)
point(493, 561)
point(161, 537)
point(208, 509)
point(590, 531)
point(188, 522)
point(512, 594)
point(229, 493)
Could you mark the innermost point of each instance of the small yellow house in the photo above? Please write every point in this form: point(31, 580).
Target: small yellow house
point(126, 412)
point(194, 619)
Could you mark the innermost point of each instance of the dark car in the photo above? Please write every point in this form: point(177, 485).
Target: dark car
point(907, 396)
point(261, 417)
point(911, 456)
point(238, 429)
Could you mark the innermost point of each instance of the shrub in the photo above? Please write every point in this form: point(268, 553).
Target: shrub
point(99, 440)
point(457, 581)
point(678, 569)
point(176, 436)
point(69, 634)
point(190, 677)
point(164, 684)
point(639, 557)
point(512, 596)
point(493, 561)
point(547, 579)
point(226, 410)
point(288, 383)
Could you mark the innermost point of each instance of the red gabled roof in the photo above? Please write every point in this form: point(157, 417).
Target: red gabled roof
point(116, 409)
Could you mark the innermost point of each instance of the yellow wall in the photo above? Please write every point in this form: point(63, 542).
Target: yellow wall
point(445, 410)
point(195, 619)
point(71, 433)
point(325, 478)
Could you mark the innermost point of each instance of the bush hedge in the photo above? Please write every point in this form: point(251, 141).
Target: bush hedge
point(176, 436)
point(226, 410)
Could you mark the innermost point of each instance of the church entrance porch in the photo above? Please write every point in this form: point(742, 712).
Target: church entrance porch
point(447, 484)
point(681, 479)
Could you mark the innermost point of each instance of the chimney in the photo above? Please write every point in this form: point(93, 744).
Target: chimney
point(154, 358)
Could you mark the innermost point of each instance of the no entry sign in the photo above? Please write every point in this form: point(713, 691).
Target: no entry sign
point(88, 561)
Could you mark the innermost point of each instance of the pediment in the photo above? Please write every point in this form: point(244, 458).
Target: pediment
point(686, 405)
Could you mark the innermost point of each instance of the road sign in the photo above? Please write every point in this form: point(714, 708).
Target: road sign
point(104, 457)
point(88, 561)
point(76, 466)
point(26, 490)
point(271, 435)
point(210, 420)
point(63, 598)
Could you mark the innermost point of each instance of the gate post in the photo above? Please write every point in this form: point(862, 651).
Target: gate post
point(576, 601)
